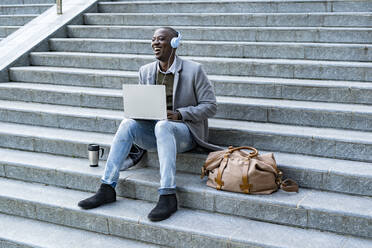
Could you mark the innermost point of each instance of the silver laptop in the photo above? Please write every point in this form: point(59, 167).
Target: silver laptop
point(145, 102)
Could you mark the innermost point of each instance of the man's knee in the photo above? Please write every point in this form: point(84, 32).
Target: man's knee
point(127, 125)
point(162, 127)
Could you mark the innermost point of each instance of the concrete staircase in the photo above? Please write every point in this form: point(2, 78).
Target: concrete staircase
point(16, 13)
point(292, 77)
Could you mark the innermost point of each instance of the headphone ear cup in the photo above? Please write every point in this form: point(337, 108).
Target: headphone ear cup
point(174, 42)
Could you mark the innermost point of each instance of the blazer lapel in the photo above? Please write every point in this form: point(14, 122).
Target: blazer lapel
point(152, 74)
point(176, 79)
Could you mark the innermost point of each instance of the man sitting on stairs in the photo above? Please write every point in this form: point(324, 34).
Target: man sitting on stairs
point(190, 102)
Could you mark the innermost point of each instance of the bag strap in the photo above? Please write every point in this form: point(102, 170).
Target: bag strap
point(225, 160)
point(287, 185)
point(245, 186)
point(221, 169)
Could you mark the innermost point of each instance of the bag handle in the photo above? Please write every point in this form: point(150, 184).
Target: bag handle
point(230, 150)
point(287, 185)
point(252, 154)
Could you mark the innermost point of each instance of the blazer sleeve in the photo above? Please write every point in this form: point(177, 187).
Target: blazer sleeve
point(206, 100)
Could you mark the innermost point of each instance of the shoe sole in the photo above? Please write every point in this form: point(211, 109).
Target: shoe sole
point(160, 219)
point(86, 208)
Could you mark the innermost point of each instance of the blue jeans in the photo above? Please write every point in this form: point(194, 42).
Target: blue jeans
point(168, 137)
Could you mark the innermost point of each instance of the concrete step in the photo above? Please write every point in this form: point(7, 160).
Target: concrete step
point(23, 9)
point(7, 30)
point(73, 76)
point(186, 228)
point(259, 87)
point(300, 113)
point(334, 175)
point(258, 34)
point(8, 2)
point(274, 50)
point(63, 95)
point(51, 140)
point(15, 20)
point(142, 183)
point(234, 6)
point(306, 69)
point(350, 177)
point(323, 19)
point(324, 142)
point(28, 233)
point(66, 117)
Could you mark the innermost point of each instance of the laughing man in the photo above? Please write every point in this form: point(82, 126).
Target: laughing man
point(190, 102)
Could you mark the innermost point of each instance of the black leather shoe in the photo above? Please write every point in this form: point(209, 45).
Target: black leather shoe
point(105, 194)
point(166, 206)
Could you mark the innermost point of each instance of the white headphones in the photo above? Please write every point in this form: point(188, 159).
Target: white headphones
point(175, 42)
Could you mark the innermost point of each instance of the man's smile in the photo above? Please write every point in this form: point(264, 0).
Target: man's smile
point(157, 50)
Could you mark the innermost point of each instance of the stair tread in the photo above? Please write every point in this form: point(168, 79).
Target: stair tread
point(19, 15)
point(58, 236)
point(316, 106)
point(288, 160)
point(184, 221)
point(230, 79)
point(61, 109)
point(64, 88)
point(212, 59)
point(233, 14)
point(301, 131)
point(227, 1)
point(226, 27)
point(26, 5)
point(10, 26)
point(262, 102)
point(327, 201)
point(55, 133)
point(263, 43)
point(245, 126)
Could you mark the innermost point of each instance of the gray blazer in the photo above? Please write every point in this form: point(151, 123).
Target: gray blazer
point(193, 97)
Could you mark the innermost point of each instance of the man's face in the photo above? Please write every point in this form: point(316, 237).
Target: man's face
point(161, 44)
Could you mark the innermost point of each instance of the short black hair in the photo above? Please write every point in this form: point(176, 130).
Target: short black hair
point(171, 31)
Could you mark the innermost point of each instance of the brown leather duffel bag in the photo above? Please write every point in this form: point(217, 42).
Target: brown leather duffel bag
point(239, 171)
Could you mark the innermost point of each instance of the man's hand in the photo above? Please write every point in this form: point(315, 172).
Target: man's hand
point(174, 116)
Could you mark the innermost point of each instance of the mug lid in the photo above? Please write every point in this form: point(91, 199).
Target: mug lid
point(93, 147)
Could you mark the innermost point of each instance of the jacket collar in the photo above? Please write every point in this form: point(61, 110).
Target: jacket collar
point(172, 69)
point(178, 68)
